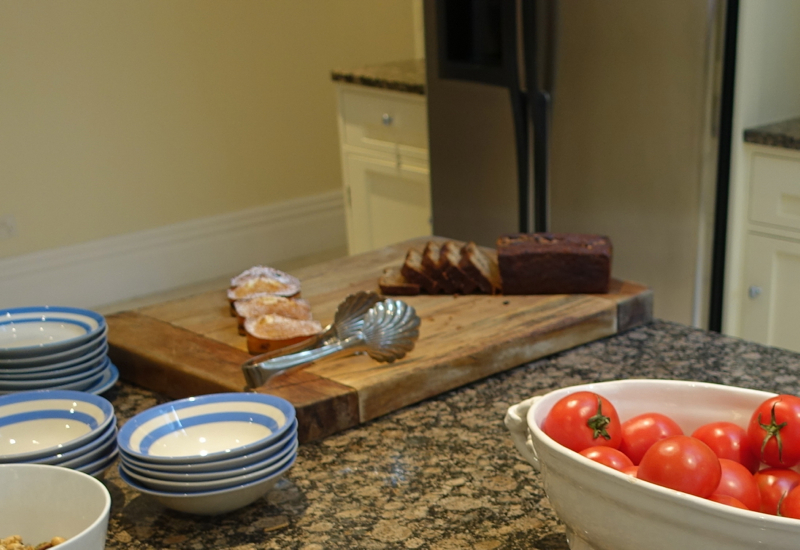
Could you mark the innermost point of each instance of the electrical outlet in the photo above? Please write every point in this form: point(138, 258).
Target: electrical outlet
point(8, 227)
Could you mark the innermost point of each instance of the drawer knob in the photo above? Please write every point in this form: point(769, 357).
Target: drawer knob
point(754, 291)
point(387, 119)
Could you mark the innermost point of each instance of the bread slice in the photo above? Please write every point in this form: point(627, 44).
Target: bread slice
point(434, 267)
point(270, 332)
point(482, 268)
point(262, 304)
point(413, 272)
point(392, 283)
point(450, 254)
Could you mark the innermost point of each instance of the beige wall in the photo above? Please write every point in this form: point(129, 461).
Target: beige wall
point(128, 115)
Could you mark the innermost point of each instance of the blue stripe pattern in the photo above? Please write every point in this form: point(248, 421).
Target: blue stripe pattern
point(83, 418)
point(81, 324)
point(250, 418)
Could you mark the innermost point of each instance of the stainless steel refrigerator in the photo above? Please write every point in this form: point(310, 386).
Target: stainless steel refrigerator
point(588, 116)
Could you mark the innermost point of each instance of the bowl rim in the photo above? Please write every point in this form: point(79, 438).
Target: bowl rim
point(103, 438)
point(101, 403)
point(63, 355)
point(23, 352)
point(284, 406)
point(693, 502)
point(84, 362)
point(54, 381)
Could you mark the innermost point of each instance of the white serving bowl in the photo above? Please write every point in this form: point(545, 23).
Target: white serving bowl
point(40, 502)
point(198, 486)
point(53, 357)
point(43, 423)
point(206, 428)
point(42, 330)
point(607, 510)
point(213, 502)
point(214, 467)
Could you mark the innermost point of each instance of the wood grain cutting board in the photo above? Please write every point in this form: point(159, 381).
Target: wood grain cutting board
point(191, 346)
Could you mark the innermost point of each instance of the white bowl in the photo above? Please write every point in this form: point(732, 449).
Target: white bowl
point(206, 428)
point(108, 435)
point(47, 422)
point(41, 502)
point(42, 330)
point(213, 502)
point(105, 449)
point(604, 509)
point(199, 486)
point(106, 382)
point(51, 357)
point(100, 465)
point(215, 466)
point(91, 358)
point(83, 379)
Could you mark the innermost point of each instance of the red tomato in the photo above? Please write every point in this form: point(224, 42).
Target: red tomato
point(682, 463)
point(728, 440)
point(581, 420)
point(774, 431)
point(738, 482)
point(726, 499)
point(774, 484)
point(639, 432)
point(608, 457)
point(631, 471)
point(790, 505)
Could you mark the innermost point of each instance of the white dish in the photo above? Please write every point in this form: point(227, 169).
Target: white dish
point(47, 422)
point(87, 378)
point(213, 502)
point(214, 467)
point(79, 364)
point(603, 508)
point(41, 502)
point(33, 331)
point(206, 428)
point(46, 359)
point(109, 378)
point(106, 437)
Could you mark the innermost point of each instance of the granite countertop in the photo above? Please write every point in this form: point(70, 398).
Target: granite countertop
point(442, 474)
point(784, 134)
point(402, 76)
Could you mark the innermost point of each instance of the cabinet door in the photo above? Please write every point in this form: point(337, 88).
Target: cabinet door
point(771, 310)
point(389, 202)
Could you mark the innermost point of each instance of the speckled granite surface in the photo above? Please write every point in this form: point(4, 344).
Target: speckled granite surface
point(442, 474)
point(402, 76)
point(784, 134)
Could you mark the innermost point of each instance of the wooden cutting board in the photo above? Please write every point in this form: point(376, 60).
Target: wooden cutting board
point(191, 346)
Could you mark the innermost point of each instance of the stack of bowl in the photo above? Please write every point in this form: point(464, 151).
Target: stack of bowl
point(50, 347)
point(210, 454)
point(66, 428)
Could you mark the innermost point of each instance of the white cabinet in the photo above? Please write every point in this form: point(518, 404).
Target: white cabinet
point(769, 292)
point(384, 146)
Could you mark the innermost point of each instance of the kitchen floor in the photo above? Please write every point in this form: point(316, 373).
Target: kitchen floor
point(214, 284)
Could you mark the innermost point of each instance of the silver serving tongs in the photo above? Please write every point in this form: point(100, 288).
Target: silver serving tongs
point(387, 332)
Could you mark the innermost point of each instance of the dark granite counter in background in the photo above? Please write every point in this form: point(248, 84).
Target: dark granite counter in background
point(784, 134)
point(402, 76)
point(443, 474)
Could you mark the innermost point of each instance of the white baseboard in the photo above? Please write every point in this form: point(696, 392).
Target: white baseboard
point(137, 264)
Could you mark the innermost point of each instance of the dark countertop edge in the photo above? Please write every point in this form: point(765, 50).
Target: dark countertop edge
point(784, 134)
point(401, 76)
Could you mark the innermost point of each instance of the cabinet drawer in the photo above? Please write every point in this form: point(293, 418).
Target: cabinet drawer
point(775, 191)
point(383, 120)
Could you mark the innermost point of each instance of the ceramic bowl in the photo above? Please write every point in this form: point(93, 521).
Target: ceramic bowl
point(206, 428)
point(42, 423)
point(106, 437)
point(215, 467)
point(33, 331)
point(104, 450)
point(106, 381)
point(211, 503)
point(79, 364)
point(98, 467)
point(41, 502)
point(196, 486)
point(604, 509)
point(52, 357)
point(82, 379)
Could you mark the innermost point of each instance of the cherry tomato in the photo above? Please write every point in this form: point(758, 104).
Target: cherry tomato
point(631, 471)
point(726, 499)
point(728, 440)
point(774, 431)
point(581, 420)
point(607, 456)
point(739, 483)
point(774, 484)
point(640, 432)
point(682, 463)
point(790, 505)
